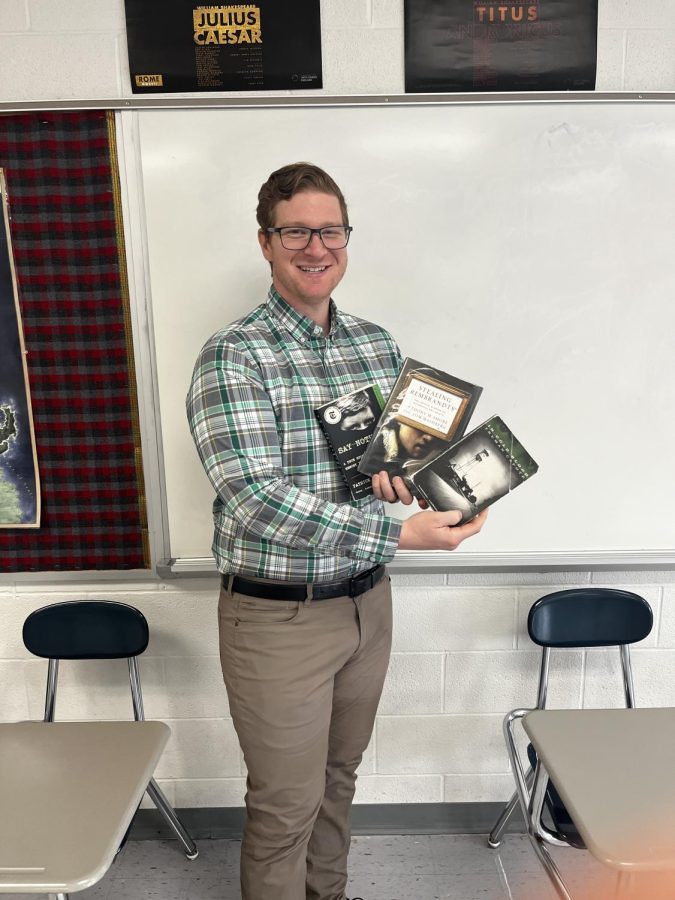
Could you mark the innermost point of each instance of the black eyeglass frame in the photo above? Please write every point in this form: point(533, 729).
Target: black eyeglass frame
point(312, 231)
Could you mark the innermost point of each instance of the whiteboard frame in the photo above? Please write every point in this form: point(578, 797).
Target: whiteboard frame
point(408, 561)
point(163, 565)
point(440, 99)
point(416, 562)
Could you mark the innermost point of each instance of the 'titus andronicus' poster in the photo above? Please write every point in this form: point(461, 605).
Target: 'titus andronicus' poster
point(517, 45)
point(179, 45)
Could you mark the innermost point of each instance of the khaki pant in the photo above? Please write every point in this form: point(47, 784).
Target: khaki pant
point(303, 680)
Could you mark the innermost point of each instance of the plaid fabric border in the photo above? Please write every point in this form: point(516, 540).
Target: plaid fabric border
point(61, 184)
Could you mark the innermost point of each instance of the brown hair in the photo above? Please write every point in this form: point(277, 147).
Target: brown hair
point(290, 180)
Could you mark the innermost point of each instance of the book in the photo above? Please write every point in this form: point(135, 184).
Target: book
point(426, 412)
point(348, 424)
point(473, 473)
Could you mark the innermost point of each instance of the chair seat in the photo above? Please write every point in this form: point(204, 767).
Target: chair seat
point(98, 629)
point(563, 826)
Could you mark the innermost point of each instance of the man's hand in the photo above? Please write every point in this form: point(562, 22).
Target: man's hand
point(393, 490)
point(438, 530)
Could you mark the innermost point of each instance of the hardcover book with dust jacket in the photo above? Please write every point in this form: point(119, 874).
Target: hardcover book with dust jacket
point(348, 423)
point(426, 412)
point(483, 466)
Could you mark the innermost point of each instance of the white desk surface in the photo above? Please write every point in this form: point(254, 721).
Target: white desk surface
point(68, 791)
point(615, 771)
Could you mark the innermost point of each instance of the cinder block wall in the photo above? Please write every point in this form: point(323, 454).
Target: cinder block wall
point(461, 655)
point(461, 658)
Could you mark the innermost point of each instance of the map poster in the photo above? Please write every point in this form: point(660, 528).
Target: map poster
point(19, 480)
point(516, 45)
point(181, 45)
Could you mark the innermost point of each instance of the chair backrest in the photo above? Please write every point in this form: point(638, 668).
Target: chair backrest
point(589, 617)
point(86, 629)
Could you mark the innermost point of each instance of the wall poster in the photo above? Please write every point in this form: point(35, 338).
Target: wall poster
point(180, 45)
point(516, 45)
point(19, 479)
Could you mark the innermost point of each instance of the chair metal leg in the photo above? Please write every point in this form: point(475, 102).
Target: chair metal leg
point(551, 869)
point(136, 692)
point(495, 836)
point(172, 819)
point(531, 803)
point(50, 696)
point(153, 788)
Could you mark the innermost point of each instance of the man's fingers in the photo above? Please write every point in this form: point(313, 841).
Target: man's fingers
point(382, 488)
point(391, 490)
point(450, 518)
point(473, 526)
point(402, 490)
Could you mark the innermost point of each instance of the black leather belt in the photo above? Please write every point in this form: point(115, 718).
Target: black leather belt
point(348, 587)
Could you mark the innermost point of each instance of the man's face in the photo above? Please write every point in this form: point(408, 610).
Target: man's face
point(358, 421)
point(305, 278)
point(414, 442)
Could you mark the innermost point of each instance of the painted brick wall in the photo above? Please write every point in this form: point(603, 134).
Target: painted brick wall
point(461, 658)
point(76, 49)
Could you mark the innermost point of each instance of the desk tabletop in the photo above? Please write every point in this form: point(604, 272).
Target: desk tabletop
point(68, 793)
point(615, 771)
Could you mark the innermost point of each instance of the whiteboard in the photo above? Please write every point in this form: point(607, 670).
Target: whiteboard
point(525, 247)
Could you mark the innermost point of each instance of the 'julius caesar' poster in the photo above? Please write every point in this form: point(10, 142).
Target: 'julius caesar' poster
point(516, 45)
point(179, 45)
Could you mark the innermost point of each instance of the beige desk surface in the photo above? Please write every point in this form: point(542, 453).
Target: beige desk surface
point(615, 771)
point(68, 791)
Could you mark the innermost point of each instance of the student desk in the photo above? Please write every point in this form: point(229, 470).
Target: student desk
point(69, 791)
point(615, 772)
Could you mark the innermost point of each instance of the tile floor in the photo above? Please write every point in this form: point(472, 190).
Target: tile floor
point(383, 867)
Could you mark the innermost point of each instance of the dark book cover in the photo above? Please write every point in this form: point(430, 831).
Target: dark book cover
point(517, 45)
point(426, 412)
point(486, 464)
point(348, 424)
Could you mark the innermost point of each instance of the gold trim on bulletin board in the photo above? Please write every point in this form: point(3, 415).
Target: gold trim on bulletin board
point(128, 332)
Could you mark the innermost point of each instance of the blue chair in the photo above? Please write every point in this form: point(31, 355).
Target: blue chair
point(576, 618)
point(98, 629)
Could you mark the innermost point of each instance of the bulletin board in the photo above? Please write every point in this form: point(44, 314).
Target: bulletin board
point(66, 229)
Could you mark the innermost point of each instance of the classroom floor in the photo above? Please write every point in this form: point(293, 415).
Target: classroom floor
point(383, 867)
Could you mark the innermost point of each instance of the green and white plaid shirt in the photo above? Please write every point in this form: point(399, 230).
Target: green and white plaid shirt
point(282, 509)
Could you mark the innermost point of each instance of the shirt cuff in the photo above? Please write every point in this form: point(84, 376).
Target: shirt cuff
point(378, 540)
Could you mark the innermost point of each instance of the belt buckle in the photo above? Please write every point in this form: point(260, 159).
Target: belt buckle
point(365, 578)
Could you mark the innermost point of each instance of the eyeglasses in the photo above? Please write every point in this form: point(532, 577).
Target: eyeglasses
point(297, 237)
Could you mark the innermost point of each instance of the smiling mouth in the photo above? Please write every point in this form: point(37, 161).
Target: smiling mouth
point(313, 270)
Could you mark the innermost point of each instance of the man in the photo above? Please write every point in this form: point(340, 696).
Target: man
point(356, 412)
point(403, 448)
point(305, 604)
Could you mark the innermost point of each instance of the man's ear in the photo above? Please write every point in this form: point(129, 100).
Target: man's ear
point(263, 240)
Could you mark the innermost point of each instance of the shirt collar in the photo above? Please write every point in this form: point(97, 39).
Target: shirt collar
point(300, 327)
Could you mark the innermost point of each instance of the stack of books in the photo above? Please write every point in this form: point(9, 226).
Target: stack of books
point(420, 435)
